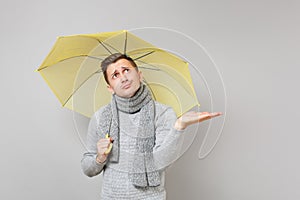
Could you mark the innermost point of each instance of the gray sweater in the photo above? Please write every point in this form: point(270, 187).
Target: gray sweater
point(115, 184)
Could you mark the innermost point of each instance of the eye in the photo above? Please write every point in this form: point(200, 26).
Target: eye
point(115, 75)
point(126, 70)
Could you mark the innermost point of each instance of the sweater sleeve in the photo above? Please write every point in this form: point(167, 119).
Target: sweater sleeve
point(168, 141)
point(88, 163)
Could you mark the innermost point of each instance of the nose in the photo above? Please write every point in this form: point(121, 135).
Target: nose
point(124, 78)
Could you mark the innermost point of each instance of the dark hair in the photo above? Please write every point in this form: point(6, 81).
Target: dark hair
point(112, 59)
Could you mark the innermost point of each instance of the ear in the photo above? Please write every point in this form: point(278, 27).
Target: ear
point(110, 89)
point(141, 76)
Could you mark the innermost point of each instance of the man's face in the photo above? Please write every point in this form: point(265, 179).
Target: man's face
point(124, 80)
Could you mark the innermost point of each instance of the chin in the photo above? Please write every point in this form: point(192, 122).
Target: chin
point(129, 92)
point(130, 95)
point(126, 95)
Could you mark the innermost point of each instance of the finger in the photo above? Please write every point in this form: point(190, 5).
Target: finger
point(219, 113)
point(103, 144)
point(205, 112)
point(105, 140)
point(207, 116)
point(216, 114)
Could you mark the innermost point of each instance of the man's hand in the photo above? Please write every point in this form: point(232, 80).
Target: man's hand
point(193, 117)
point(103, 146)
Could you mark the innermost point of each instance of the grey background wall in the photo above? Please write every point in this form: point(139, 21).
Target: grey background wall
point(255, 45)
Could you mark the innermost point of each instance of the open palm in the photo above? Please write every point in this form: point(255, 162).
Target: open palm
point(193, 117)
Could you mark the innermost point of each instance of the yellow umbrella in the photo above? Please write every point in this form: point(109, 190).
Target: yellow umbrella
point(72, 71)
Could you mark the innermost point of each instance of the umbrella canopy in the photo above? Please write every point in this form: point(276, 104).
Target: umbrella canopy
point(72, 71)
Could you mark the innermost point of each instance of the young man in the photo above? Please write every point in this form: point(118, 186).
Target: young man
point(144, 134)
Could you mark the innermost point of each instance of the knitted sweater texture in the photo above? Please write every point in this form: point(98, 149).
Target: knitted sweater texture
point(115, 183)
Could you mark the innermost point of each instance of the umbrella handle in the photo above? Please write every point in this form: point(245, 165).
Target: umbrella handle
point(110, 145)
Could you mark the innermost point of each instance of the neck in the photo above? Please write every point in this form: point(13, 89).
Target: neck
point(134, 103)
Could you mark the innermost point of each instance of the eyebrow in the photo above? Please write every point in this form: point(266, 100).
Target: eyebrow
point(115, 70)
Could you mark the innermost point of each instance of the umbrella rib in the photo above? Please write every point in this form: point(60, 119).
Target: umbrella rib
point(150, 68)
point(74, 91)
point(101, 44)
point(144, 55)
point(94, 57)
point(112, 47)
point(156, 68)
point(105, 47)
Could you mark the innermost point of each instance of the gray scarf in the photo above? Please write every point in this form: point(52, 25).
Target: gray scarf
point(142, 173)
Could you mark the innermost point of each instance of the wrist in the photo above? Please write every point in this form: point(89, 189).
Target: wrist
point(179, 126)
point(100, 159)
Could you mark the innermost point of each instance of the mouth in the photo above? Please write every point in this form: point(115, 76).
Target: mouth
point(126, 86)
